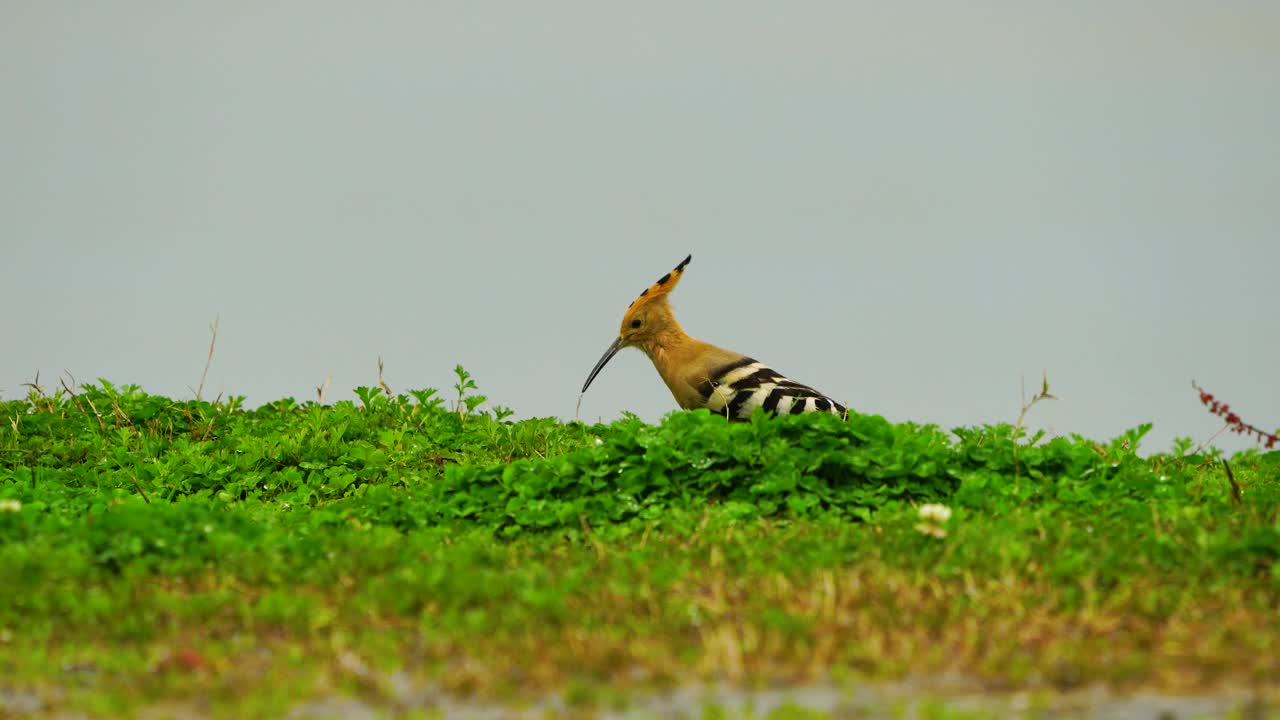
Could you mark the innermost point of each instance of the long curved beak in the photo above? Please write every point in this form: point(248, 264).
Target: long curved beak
point(608, 355)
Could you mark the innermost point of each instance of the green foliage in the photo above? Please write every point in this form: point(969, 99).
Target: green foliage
point(799, 466)
point(83, 463)
point(473, 528)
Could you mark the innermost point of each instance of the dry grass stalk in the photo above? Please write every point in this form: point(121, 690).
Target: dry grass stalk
point(213, 341)
point(382, 383)
point(323, 389)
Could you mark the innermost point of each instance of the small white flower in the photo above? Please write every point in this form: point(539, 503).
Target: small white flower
point(931, 530)
point(934, 517)
point(933, 512)
point(10, 505)
point(599, 441)
point(208, 529)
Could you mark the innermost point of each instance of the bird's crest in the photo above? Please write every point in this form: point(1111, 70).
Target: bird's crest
point(660, 289)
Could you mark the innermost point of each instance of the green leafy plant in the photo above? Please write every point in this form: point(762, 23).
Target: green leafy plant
point(282, 540)
point(466, 403)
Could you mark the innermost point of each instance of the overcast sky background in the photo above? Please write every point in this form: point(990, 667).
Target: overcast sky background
point(910, 206)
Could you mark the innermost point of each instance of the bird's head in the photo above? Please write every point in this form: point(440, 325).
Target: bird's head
point(647, 316)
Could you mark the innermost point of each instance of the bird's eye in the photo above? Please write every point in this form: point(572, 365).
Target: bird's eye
point(635, 323)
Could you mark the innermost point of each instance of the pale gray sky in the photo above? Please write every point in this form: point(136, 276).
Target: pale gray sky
point(910, 206)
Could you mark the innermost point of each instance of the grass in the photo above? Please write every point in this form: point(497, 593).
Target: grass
point(406, 550)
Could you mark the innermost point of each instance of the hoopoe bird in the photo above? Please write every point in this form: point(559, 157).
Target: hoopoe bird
point(701, 375)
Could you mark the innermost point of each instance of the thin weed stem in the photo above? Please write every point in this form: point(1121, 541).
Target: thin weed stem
point(1022, 417)
point(213, 341)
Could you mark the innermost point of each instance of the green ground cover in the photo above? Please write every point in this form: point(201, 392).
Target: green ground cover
point(407, 548)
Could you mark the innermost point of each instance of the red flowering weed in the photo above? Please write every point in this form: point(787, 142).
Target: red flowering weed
point(1237, 425)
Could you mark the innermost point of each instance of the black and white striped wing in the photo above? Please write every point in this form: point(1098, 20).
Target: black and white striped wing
point(739, 388)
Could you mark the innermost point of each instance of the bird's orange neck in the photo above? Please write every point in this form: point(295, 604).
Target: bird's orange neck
point(681, 360)
point(666, 340)
point(671, 350)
